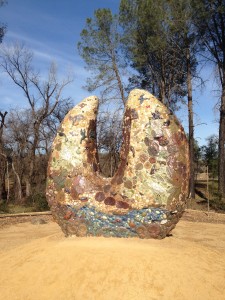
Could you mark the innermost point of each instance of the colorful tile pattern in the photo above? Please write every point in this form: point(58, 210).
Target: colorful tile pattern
point(146, 196)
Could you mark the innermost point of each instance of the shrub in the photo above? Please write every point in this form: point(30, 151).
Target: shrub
point(3, 207)
point(38, 201)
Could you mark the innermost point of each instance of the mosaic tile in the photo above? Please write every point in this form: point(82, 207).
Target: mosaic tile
point(146, 196)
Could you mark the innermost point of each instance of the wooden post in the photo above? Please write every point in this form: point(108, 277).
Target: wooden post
point(207, 172)
point(7, 172)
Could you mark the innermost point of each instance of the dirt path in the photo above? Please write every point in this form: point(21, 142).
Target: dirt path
point(37, 262)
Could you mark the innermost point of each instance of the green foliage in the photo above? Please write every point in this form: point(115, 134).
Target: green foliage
point(100, 48)
point(210, 22)
point(211, 28)
point(210, 154)
point(197, 152)
point(155, 48)
point(217, 204)
point(4, 209)
point(38, 202)
point(216, 200)
point(35, 203)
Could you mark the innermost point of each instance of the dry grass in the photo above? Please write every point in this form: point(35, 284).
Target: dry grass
point(204, 195)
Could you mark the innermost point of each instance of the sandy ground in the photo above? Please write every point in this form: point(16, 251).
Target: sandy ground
point(38, 262)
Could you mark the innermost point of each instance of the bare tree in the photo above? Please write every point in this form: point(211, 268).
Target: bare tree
point(2, 26)
point(42, 95)
point(109, 140)
point(2, 158)
point(18, 140)
point(17, 137)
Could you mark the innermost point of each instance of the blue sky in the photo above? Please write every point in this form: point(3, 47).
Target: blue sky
point(51, 29)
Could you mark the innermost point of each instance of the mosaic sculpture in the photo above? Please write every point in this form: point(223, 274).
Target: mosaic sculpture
point(146, 196)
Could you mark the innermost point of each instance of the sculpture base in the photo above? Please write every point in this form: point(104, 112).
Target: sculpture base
point(146, 223)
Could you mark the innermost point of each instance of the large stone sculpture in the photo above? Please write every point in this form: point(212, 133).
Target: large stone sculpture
point(147, 194)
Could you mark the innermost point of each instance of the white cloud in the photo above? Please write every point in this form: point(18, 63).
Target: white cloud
point(41, 49)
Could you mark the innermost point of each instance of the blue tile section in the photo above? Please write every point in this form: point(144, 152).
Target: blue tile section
point(99, 223)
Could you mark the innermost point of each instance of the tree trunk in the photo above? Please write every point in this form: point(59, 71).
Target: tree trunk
point(28, 188)
point(221, 170)
point(18, 188)
point(30, 179)
point(162, 81)
point(191, 127)
point(162, 92)
point(3, 192)
point(120, 85)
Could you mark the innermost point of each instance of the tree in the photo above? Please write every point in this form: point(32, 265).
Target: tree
point(211, 28)
point(210, 154)
point(17, 137)
point(18, 141)
point(100, 47)
point(43, 96)
point(2, 156)
point(109, 140)
point(2, 26)
point(163, 46)
point(2, 125)
point(151, 50)
point(197, 157)
point(187, 40)
point(51, 123)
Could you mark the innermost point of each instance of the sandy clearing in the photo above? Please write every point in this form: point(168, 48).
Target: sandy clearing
point(38, 262)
